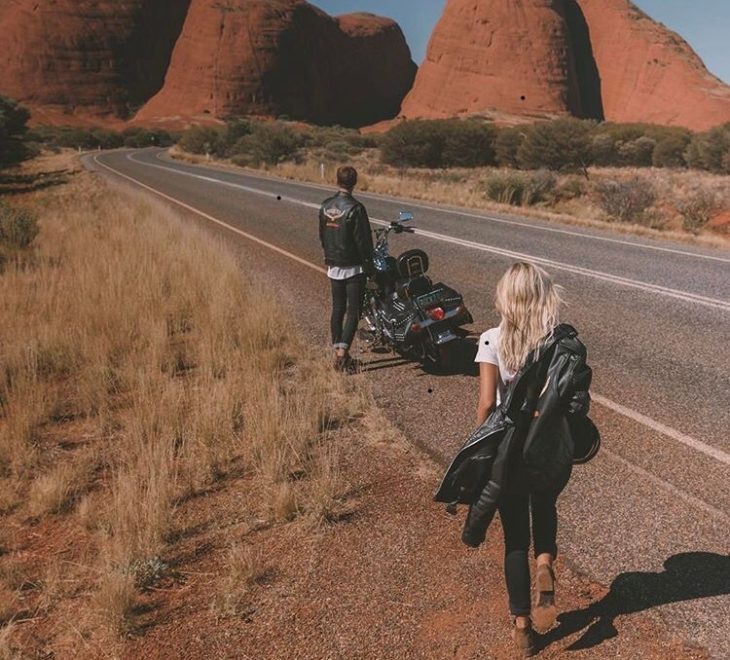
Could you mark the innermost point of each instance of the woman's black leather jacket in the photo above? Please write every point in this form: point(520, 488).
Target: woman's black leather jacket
point(534, 419)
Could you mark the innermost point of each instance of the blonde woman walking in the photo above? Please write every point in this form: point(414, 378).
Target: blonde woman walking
point(534, 384)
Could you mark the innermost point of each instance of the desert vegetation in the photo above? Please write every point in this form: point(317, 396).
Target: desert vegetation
point(139, 374)
point(69, 137)
point(13, 132)
point(637, 177)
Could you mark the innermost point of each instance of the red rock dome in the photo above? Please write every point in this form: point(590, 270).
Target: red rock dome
point(284, 57)
point(512, 56)
point(100, 57)
point(649, 73)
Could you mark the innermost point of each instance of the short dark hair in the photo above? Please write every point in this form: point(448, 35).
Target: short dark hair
point(347, 177)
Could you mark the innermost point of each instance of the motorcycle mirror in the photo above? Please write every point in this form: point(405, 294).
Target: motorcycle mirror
point(405, 216)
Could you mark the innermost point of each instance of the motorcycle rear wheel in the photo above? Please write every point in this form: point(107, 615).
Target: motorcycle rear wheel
point(440, 357)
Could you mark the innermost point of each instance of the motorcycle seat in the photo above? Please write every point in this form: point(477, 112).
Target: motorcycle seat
point(414, 287)
point(412, 264)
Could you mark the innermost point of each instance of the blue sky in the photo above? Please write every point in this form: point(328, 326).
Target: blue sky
point(704, 23)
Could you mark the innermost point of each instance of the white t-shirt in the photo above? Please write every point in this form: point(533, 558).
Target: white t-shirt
point(489, 353)
point(339, 273)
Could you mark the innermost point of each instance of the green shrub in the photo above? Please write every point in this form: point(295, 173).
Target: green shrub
point(235, 130)
point(507, 187)
point(242, 160)
point(562, 144)
point(603, 150)
point(340, 150)
point(710, 150)
point(269, 143)
point(539, 187)
point(571, 187)
point(633, 145)
point(415, 143)
point(636, 153)
point(697, 209)
point(202, 140)
point(521, 188)
point(626, 201)
point(107, 139)
point(71, 137)
point(468, 144)
point(139, 138)
point(507, 146)
point(322, 136)
point(75, 138)
point(669, 152)
point(18, 227)
point(439, 143)
point(13, 132)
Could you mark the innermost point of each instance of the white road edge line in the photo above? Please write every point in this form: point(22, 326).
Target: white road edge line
point(483, 247)
point(192, 209)
point(465, 213)
point(663, 429)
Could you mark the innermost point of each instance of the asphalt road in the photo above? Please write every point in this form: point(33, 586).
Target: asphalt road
point(655, 317)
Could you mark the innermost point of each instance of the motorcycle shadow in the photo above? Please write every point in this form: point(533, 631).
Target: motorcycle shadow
point(379, 365)
point(460, 360)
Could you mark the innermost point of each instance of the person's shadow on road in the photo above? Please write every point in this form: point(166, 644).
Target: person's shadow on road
point(686, 576)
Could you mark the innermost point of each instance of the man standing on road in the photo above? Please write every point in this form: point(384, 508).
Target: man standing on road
point(347, 240)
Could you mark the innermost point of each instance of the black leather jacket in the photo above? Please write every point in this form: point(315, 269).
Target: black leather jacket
point(534, 419)
point(344, 230)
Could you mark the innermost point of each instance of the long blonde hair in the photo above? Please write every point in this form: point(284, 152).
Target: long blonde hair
point(529, 304)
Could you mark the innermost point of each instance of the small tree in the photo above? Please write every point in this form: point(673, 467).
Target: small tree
point(139, 138)
point(708, 150)
point(628, 200)
point(13, 129)
point(636, 153)
point(507, 146)
point(563, 144)
point(201, 140)
point(269, 143)
point(415, 143)
point(468, 143)
point(439, 143)
point(697, 208)
point(669, 152)
point(235, 129)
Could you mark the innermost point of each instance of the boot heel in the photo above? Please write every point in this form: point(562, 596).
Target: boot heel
point(545, 612)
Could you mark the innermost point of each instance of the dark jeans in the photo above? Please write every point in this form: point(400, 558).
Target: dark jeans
point(515, 508)
point(347, 297)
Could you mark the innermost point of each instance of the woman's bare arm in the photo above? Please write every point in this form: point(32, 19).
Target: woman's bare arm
point(488, 375)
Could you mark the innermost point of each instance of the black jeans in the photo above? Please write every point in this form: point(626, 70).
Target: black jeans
point(347, 297)
point(515, 508)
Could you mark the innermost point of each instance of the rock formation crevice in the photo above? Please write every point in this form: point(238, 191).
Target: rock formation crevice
point(588, 79)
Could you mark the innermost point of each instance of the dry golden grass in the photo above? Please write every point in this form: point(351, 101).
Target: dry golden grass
point(57, 490)
point(244, 567)
point(138, 369)
point(7, 648)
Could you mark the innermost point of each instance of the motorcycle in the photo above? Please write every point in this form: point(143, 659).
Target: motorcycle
point(404, 310)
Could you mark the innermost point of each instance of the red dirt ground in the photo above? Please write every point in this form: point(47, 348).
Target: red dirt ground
point(389, 580)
